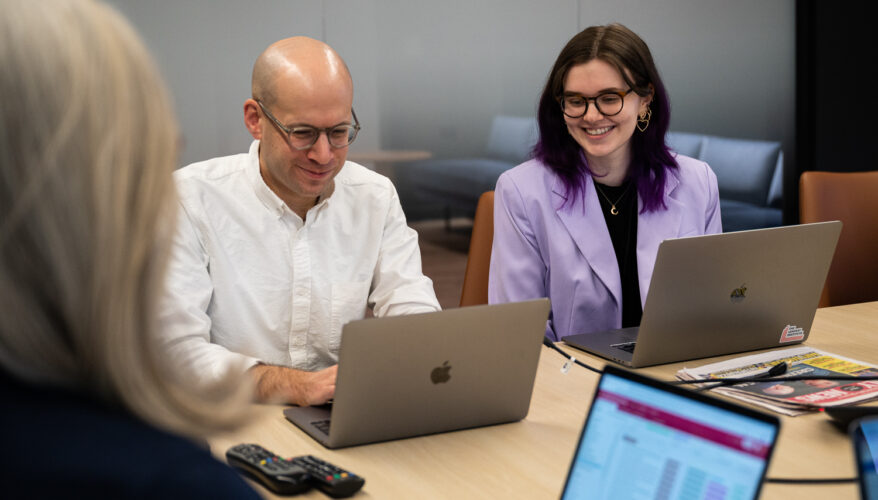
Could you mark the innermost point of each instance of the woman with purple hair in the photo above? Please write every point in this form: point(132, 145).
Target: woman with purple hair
point(581, 222)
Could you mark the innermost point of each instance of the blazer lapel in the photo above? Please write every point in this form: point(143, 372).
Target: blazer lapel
point(652, 229)
point(584, 221)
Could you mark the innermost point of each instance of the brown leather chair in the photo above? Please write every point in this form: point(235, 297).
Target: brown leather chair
point(475, 279)
point(852, 198)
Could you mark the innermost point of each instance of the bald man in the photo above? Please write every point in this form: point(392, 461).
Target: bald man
point(278, 248)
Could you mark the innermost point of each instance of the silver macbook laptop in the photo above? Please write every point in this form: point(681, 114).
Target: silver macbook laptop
point(647, 439)
point(405, 376)
point(725, 293)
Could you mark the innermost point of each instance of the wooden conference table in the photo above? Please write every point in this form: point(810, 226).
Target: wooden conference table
point(529, 459)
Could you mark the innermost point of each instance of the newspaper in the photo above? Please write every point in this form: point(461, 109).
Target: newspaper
point(794, 397)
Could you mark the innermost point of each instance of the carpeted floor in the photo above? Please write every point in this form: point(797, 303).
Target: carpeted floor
point(443, 254)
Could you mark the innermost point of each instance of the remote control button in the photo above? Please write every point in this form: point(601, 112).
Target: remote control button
point(269, 470)
point(329, 478)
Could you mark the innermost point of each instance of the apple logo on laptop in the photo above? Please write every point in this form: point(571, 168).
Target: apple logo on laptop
point(739, 294)
point(440, 374)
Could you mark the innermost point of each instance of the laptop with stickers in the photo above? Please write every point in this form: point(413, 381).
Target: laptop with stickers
point(647, 439)
point(725, 293)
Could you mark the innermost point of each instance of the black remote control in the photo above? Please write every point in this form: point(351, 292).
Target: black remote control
point(279, 475)
point(330, 479)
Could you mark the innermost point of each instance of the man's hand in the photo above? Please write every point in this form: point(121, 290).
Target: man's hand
point(279, 384)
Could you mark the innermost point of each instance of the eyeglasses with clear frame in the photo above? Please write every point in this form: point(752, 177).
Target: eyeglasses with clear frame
point(303, 137)
point(607, 103)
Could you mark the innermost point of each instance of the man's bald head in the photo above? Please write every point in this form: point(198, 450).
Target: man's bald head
point(301, 62)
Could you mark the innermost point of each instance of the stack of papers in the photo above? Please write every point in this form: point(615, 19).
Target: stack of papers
point(792, 397)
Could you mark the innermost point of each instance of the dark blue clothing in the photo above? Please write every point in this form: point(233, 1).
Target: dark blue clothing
point(59, 444)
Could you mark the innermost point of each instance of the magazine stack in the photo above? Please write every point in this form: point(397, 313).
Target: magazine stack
point(791, 397)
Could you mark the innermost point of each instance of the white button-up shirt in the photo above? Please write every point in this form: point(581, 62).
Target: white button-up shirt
point(249, 281)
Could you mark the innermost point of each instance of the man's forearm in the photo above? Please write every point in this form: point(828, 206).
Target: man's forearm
point(279, 384)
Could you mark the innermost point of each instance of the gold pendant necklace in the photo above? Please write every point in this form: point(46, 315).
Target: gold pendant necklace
point(613, 209)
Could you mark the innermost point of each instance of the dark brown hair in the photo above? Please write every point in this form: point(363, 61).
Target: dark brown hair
point(629, 54)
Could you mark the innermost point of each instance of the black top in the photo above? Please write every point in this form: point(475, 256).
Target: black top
point(623, 233)
point(59, 444)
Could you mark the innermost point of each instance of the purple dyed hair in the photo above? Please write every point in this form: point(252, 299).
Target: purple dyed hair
point(650, 157)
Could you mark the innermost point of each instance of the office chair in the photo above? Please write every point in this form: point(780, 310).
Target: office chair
point(852, 198)
point(478, 261)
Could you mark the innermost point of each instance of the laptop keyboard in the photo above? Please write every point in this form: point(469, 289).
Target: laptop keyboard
point(321, 425)
point(625, 346)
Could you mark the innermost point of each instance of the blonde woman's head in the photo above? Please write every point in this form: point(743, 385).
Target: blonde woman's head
point(87, 148)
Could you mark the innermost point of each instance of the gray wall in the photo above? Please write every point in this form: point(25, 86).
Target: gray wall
point(430, 75)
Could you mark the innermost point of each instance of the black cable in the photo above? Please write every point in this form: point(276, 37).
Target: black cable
point(772, 375)
point(816, 480)
point(723, 382)
point(794, 378)
point(549, 343)
point(773, 372)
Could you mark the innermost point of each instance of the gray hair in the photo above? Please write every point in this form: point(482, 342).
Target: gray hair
point(87, 149)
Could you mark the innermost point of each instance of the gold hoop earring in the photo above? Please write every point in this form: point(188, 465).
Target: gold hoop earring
point(643, 120)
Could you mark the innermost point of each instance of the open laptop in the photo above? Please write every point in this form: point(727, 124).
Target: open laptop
point(405, 376)
point(725, 293)
point(643, 438)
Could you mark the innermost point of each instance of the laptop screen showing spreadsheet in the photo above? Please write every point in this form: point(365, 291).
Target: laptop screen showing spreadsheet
point(647, 439)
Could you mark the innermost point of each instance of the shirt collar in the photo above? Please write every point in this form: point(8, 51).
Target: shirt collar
point(269, 199)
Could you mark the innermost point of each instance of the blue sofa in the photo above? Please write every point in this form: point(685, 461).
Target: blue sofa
point(445, 188)
point(749, 173)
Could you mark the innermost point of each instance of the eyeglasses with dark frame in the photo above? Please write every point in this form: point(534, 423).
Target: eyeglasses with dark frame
point(303, 137)
point(607, 103)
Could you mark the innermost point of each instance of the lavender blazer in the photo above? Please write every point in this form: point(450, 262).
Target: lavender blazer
point(543, 250)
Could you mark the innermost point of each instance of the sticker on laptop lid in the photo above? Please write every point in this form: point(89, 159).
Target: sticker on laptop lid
point(791, 333)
